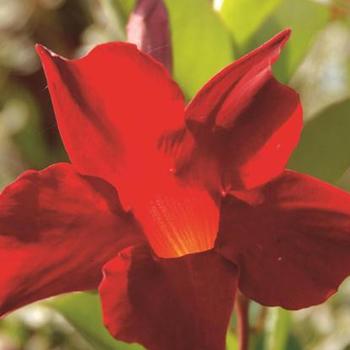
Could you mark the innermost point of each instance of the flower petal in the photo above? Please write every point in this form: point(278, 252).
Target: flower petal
point(112, 106)
point(171, 304)
point(263, 138)
point(177, 219)
point(244, 123)
point(57, 229)
point(290, 240)
point(228, 93)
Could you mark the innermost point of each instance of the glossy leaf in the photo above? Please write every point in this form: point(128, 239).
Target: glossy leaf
point(243, 17)
point(83, 312)
point(306, 18)
point(201, 43)
point(322, 150)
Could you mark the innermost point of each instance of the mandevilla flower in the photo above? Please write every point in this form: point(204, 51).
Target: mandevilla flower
point(168, 209)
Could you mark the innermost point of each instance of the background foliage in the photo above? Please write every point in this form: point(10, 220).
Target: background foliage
point(206, 36)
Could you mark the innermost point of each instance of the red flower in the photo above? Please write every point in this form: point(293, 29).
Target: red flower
point(205, 202)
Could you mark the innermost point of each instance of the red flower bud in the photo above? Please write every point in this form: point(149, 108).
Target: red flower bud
point(148, 28)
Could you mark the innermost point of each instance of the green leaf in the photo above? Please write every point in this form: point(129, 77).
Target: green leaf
point(201, 43)
point(293, 343)
point(125, 6)
point(244, 17)
point(116, 14)
point(324, 147)
point(277, 332)
point(83, 312)
point(306, 18)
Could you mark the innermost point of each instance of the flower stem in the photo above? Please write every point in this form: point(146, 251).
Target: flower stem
point(242, 308)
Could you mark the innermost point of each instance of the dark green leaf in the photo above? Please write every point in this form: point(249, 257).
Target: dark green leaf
point(324, 148)
point(293, 343)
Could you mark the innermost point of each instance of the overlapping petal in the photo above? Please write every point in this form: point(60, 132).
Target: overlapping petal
point(57, 230)
point(289, 239)
point(263, 138)
point(221, 100)
point(112, 106)
point(177, 218)
point(121, 116)
point(172, 304)
point(244, 124)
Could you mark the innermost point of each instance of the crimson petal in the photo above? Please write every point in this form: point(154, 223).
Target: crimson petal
point(57, 229)
point(263, 138)
point(223, 97)
point(172, 304)
point(245, 124)
point(112, 106)
point(290, 240)
point(177, 219)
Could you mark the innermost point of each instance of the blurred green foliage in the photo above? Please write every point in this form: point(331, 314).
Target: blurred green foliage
point(306, 19)
point(83, 310)
point(323, 136)
point(243, 27)
point(206, 36)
